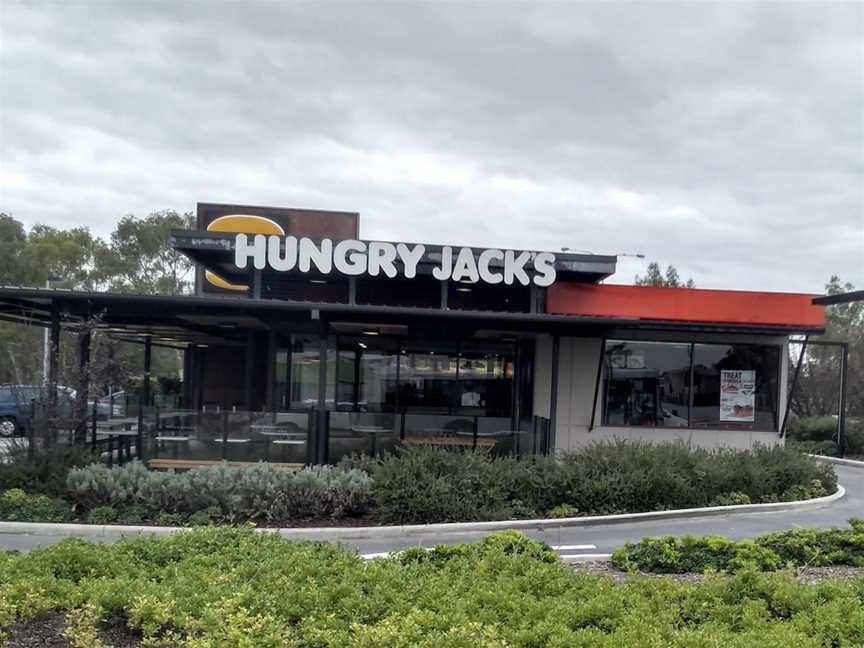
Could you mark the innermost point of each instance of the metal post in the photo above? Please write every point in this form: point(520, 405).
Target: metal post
point(144, 398)
point(553, 398)
point(225, 415)
point(597, 382)
point(83, 386)
point(250, 370)
point(794, 384)
point(53, 370)
point(841, 419)
point(271, 370)
point(319, 446)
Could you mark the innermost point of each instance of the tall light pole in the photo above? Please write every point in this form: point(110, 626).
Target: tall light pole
point(46, 343)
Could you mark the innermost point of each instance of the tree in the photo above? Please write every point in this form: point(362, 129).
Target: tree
point(654, 277)
point(13, 242)
point(818, 390)
point(140, 258)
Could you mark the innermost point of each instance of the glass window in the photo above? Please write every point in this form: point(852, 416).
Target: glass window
point(647, 383)
point(366, 374)
point(735, 386)
point(486, 378)
point(297, 370)
point(428, 376)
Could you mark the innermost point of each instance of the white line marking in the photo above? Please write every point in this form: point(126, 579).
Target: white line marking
point(585, 557)
point(582, 547)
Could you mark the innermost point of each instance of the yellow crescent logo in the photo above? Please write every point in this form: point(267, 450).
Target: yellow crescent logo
point(240, 224)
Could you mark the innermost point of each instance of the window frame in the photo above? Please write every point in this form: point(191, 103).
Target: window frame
point(728, 427)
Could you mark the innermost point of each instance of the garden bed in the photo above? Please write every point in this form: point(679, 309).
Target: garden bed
point(421, 486)
point(230, 587)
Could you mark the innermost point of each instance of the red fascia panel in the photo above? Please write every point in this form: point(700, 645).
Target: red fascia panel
point(792, 310)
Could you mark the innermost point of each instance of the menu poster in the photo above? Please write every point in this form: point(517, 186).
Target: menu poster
point(737, 396)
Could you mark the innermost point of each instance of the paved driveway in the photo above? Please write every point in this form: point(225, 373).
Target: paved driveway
point(600, 539)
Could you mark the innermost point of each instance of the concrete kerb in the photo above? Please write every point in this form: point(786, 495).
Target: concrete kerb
point(365, 533)
point(838, 460)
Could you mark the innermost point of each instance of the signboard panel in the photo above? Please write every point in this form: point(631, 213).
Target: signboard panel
point(737, 396)
point(352, 257)
point(247, 219)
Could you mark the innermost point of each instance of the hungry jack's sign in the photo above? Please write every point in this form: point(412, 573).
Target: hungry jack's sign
point(373, 258)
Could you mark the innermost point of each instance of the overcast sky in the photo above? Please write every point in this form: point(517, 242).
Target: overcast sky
point(724, 138)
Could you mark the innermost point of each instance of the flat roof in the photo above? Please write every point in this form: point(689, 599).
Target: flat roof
point(221, 320)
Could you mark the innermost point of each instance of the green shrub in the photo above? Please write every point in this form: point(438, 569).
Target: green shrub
point(102, 515)
point(735, 498)
point(133, 515)
point(199, 518)
point(421, 485)
point(798, 547)
point(261, 491)
point(18, 506)
point(168, 519)
point(817, 435)
point(563, 511)
point(237, 588)
point(46, 472)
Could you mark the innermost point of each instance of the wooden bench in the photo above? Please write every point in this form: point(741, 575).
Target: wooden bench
point(189, 464)
point(463, 442)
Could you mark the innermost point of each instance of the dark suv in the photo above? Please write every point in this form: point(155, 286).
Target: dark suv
point(16, 406)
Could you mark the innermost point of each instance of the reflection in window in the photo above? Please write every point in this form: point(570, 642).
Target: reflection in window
point(366, 374)
point(735, 386)
point(297, 371)
point(486, 378)
point(428, 376)
point(647, 384)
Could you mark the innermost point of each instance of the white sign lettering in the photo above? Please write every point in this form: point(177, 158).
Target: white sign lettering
point(375, 258)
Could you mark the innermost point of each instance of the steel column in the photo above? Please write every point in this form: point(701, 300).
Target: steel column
point(553, 398)
point(791, 391)
point(83, 385)
point(841, 419)
point(597, 382)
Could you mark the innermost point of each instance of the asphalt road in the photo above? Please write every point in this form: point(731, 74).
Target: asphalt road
point(599, 539)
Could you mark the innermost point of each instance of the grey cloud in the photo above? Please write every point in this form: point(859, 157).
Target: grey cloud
point(727, 139)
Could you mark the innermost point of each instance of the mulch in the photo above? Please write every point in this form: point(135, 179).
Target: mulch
point(46, 631)
point(807, 575)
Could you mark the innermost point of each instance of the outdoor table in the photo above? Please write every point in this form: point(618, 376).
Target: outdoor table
point(174, 440)
point(445, 441)
point(373, 431)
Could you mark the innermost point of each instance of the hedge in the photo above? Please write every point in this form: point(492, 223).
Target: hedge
point(235, 494)
point(817, 435)
point(421, 485)
point(795, 548)
point(236, 588)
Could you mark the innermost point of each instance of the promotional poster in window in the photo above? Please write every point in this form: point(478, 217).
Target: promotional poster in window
point(737, 396)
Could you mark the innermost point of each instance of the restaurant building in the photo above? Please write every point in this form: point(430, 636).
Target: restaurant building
point(304, 343)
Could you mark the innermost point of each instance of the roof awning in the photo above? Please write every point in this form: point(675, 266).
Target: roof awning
point(790, 312)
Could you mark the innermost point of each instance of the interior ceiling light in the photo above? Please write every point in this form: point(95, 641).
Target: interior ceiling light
point(318, 281)
point(362, 345)
point(463, 289)
point(371, 332)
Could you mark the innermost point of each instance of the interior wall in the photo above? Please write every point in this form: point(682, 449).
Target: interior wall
point(577, 373)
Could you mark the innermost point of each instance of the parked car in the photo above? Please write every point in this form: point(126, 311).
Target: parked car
point(16, 406)
point(109, 407)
